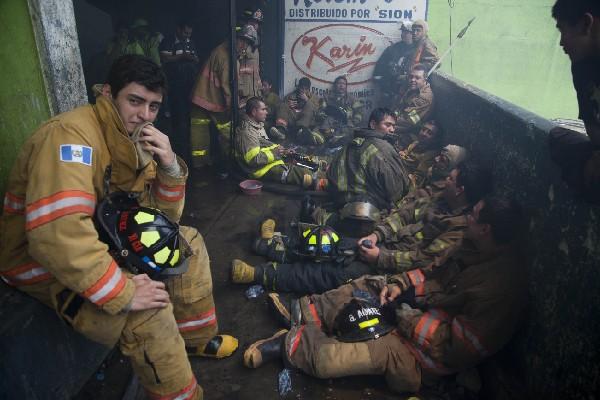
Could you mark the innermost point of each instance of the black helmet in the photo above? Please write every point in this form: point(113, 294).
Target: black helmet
point(142, 239)
point(360, 320)
point(319, 242)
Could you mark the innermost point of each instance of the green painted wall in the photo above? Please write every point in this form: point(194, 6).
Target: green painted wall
point(23, 101)
point(511, 50)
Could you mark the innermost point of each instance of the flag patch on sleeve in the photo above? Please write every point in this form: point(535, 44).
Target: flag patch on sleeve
point(76, 153)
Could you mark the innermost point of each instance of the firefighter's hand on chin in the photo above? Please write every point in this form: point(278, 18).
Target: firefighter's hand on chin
point(148, 294)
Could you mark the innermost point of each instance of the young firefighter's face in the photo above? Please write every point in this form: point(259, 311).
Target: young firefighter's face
point(387, 125)
point(136, 104)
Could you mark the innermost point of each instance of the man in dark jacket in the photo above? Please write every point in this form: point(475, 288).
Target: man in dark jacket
point(369, 169)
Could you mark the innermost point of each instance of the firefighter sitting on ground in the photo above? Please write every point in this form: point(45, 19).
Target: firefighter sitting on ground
point(338, 113)
point(296, 115)
point(51, 248)
point(413, 107)
point(261, 159)
point(419, 156)
point(446, 321)
point(418, 235)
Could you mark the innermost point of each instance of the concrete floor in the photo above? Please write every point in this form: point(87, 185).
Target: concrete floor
point(229, 221)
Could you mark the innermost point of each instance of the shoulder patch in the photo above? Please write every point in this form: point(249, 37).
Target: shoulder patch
point(76, 153)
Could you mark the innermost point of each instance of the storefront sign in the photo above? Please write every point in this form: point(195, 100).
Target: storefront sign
point(328, 38)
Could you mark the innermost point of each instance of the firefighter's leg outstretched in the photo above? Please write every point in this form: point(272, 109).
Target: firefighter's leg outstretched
point(194, 307)
point(308, 348)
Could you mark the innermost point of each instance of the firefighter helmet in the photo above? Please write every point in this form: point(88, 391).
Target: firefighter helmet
point(142, 239)
point(255, 15)
point(320, 242)
point(360, 320)
point(249, 33)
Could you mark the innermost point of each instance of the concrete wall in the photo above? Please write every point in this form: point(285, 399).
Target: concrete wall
point(511, 50)
point(23, 101)
point(557, 353)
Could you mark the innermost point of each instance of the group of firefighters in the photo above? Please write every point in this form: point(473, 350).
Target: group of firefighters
point(411, 271)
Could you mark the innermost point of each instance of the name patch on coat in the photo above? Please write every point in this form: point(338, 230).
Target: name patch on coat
point(76, 153)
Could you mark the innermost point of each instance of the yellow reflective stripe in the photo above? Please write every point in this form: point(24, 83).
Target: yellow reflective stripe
point(325, 240)
point(437, 246)
point(199, 153)
point(305, 233)
point(271, 147)
point(200, 121)
point(364, 160)
point(261, 172)
point(226, 125)
point(369, 323)
point(420, 236)
point(417, 212)
point(414, 116)
point(270, 156)
point(342, 183)
point(335, 236)
point(253, 152)
point(312, 240)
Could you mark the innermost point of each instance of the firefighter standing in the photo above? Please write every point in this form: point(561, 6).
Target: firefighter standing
point(211, 101)
point(51, 247)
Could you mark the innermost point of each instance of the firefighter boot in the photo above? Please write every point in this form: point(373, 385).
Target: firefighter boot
point(267, 229)
point(220, 346)
point(274, 249)
point(263, 274)
point(287, 311)
point(242, 272)
point(265, 350)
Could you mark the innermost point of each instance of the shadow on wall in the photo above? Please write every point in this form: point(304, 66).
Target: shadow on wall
point(558, 349)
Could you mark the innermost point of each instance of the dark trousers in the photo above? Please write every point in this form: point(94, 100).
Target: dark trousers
point(308, 277)
point(571, 150)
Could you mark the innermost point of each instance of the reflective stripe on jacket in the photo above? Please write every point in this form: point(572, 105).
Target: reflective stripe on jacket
point(48, 235)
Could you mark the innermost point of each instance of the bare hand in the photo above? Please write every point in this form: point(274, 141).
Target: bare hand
point(158, 144)
point(303, 96)
point(292, 103)
point(389, 293)
point(148, 294)
point(369, 255)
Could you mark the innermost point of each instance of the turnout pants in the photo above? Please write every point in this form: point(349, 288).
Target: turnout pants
point(288, 174)
point(210, 134)
point(310, 347)
point(154, 340)
point(305, 277)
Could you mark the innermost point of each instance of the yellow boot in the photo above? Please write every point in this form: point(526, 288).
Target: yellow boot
point(267, 229)
point(241, 272)
point(220, 346)
point(307, 181)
